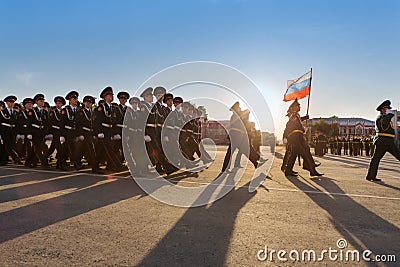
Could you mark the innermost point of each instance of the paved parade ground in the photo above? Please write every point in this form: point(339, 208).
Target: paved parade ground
point(53, 218)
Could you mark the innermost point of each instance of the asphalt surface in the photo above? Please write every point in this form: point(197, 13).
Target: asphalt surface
point(52, 218)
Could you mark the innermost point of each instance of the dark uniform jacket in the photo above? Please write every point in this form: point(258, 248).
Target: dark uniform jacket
point(384, 129)
point(38, 122)
point(84, 122)
point(105, 120)
point(56, 126)
point(8, 123)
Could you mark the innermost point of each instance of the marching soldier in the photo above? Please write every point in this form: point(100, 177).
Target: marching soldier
point(238, 133)
point(84, 124)
point(19, 139)
point(37, 129)
point(134, 136)
point(23, 126)
point(383, 140)
point(121, 110)
point(3, 155)
point(8, 118)
point(56, 128)
point(104, 124)
point(151, 137)
point(179, 146)
point(294, 132)
point(68, 115)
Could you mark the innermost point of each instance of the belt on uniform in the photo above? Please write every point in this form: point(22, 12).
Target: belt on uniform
point(386, 134)
point(159, 125)
point(56, 127)
point(190, 131)
point(69, 127)
point(107, 125)
point(8, 125)
point(133, 130)
point(87, 129)
point(295, 131)
point(170, 127)
point(39, 126)
point(151, 125)
point(140, 130)
point(122, 126)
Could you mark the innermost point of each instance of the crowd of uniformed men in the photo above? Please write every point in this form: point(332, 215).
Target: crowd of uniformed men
point(350, 145)
point(33, 132)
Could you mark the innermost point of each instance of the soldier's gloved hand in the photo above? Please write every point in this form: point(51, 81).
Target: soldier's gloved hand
point(100, 136)
point(29, 136)
point(18, 137)
point(48, 137)
point(62, 139)
point(147, 138)
point(22, 137)
point(117, 137)
point(166, 139)
point(81, 138)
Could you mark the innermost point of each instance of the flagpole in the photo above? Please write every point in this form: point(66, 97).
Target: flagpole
point(309, 94)
point(308, 106)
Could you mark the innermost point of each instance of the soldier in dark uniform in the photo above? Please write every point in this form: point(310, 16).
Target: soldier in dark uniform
point(154, 113)
point(23, 125)
point(8, 118)
point(56, 128)
point(179, 134)
point(19, 139)
point(298, 145)
point(135, 137)
point(104, 128)
point(366, 146)
point(37, 129)
point(351, 146)
point(84, 124)
point(170, 138)
point(68, 115)
point(121, 110)
point(383, 140)
point(3, 155)
point(356, 146)
point(339, 145)
point(345, 146)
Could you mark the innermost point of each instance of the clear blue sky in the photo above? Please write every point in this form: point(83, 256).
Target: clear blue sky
point(353, 46)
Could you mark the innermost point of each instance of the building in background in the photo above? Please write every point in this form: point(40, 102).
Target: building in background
point(343, 127)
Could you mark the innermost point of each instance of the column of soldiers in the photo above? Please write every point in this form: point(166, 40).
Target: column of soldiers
point(351, 146)
point(32, 133)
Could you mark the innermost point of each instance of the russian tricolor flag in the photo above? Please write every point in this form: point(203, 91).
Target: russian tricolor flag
point(298, 89)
